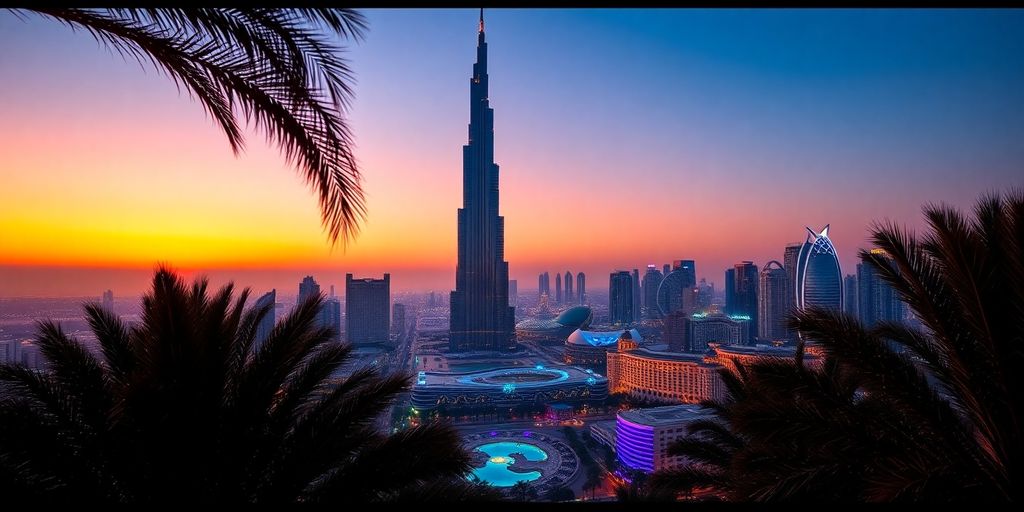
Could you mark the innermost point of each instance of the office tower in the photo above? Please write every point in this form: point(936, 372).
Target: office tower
point(670, 292)
point(773, 303)
point(666, 269)
point(540, 285)
point(819, 279)
point(367, 309)
point(581, 287)
point(269, 301)
point(544, 285)
point(307, 288)
point(481, 318)
point(398, 318)
point(330, 316)
point(675, 327)
point(652, 280)
point(332, 290)
point(789, 260)
point(730, 289)
point(108, 300)
point(636, 295)
point(850, 294)
point(689, 269)
point(877, 300)
point(742, 301)
point(569, 299)
point(705, 294)
point(620, 297)
point(558, 288)
point(432, 302)
point(513, 292)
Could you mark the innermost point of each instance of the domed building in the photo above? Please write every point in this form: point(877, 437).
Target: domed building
point(590, 348)
point(548, 330)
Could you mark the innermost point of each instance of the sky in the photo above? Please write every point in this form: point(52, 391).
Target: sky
point(625, 138)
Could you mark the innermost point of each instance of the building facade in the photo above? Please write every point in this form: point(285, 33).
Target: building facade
point(651, 282)
point(877, 300)
point(367, 309)
point(773, 303)
point(666, 377)
point(581, 287)
point(706, 328)
point(819, 278)
point(480, 315)
point(643, 436)
point(620, 298)
point(269, 301)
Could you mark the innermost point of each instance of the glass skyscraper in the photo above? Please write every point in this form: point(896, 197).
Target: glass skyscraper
point(367, 309)
point(773, 303)
point(481, 318)
point(620, 298)
point(819, 280)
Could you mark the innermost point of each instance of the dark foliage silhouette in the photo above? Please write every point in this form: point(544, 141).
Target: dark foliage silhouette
point(278, 68)
point(186, 406)
point(893, 413)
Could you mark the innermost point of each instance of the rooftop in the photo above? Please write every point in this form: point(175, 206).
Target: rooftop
point(600, 338)
point(665, 416)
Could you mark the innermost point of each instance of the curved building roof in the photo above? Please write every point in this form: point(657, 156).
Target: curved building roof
point(578, 316)
point(600, 338)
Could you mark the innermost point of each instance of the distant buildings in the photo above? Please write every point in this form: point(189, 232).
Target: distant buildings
point(877, 300)
point(307, 288)
point(480, 315)
point(717, 328)
point(367, 309)
point(666, 269)
point(819, 279)
point(850, 294)
point(330, 316)
point(642, 436)
point(269, 301)
point(773, 303)
point(705, 294)
point(670, 292)
point(581, 287)
point(108, 300)
point(790, 259)
point(558, 288)
point(398, 320)
point(620, 298)
point(544, 285)
point(651, 282)
point(569, 298)
point(548, 331)
point(741, 283)
point(675, 331)
point(513, 292)
point(636, 295)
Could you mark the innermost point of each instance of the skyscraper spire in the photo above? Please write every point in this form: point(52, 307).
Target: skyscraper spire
point(481, 318)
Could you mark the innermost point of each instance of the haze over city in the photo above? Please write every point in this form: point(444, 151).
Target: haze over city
point(625, 138)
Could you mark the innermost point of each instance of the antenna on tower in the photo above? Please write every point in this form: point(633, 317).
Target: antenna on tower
point(481, 19)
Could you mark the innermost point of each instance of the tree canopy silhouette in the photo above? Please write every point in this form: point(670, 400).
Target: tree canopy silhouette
point(187, 406)
point(276, 69)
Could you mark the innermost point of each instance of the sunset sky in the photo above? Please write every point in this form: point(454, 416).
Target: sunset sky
point(625, 137)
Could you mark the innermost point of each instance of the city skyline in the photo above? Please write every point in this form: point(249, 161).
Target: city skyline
point(843, 145)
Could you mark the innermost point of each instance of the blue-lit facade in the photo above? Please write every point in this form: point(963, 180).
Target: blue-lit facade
point(819, 279)
point(670, 290)
point(634, 444)
point(481, 318)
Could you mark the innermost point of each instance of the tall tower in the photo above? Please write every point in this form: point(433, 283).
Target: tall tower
point(581, 287)
point(481, 318)
point(568, 287)
point(620, 297)
point(636, 295)
point(652, 280)
point(558, 288)
point(772, 303)
point(819, 281)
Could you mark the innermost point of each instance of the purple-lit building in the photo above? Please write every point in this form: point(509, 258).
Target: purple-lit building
point(642, 436)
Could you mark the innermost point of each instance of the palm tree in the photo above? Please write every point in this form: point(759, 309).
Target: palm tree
point(187, 406)
point(894, 412)
point(523, 491)
point(275, 67)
